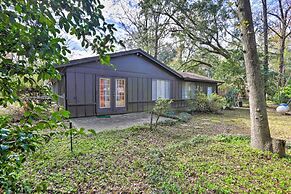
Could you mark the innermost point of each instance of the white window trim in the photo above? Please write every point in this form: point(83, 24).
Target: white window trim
point(104, 78)
point(157, 91)
point(116, 80)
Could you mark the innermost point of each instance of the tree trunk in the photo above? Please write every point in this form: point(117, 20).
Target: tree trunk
point(283, 36)
point(279, 147)
point(156, 124)
point(151, 123)
point(281, 81)
point(146, 34)
point(260, 133)
point(180, 51)
point(156, 39)
point(266, 52)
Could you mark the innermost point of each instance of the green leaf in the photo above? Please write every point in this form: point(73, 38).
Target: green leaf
point(65, 113)
point(101, 6)
point(82, 131)
point(27, 113)
point(105, 60)
point(92, 131)
point(18, 8)
point(67, 27)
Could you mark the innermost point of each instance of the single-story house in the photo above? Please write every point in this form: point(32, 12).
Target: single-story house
point(132, 84)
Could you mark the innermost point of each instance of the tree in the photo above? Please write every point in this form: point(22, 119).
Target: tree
point(260, 133)
point(265, 34)
point(209, 37)
point(31, 46)
point(161, 107)
point(282, 29)
point(145, 26)
point(206, 23)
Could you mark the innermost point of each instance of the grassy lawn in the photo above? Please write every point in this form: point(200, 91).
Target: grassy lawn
point(238, 122)
point(185, 157)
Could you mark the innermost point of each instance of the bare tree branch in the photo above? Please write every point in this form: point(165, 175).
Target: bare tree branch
point(272, 29)
point(199, 62)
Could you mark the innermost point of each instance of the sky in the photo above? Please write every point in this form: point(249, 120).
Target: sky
point(113, 11)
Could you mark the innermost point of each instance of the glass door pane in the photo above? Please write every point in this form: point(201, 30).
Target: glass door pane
point(120, 92)
point(104, 92)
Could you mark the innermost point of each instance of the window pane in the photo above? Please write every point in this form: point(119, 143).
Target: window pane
point(193, 89)
point(187, 90)
point(167, 89)
point(209, 91)
point(184, 90)
point(104, 93)
point(120, 92)
point(160, 89)
point(154, 89)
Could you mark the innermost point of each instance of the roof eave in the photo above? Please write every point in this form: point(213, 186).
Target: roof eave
point(201, 80)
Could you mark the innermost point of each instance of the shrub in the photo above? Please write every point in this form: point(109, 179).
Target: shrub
point(168, 122)
point(170, 114)
point(201, 103)
point(161, 107)
point(231, 97)
point(216, 103)
point(283, 95)
point(184, 117)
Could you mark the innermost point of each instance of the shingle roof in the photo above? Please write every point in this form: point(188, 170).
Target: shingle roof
point(182, 75)
point(195, 77)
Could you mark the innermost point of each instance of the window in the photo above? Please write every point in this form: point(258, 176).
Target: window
point(188, 90)
point(104, 92)
point(199, 88)
point(120, 92)
point(160, 89)
point(209, 91)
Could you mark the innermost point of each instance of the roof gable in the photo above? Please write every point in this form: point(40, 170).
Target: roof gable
point(138, 52)
point(187, 76)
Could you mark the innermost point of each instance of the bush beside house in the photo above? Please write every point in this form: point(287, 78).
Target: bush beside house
point(202, 103)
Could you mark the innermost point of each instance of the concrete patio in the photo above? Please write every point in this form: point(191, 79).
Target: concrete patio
point(121, 121)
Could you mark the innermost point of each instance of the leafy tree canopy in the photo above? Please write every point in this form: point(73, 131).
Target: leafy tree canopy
point(31, 42)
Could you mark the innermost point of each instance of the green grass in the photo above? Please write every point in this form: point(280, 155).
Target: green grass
point(186, 157)
point(238, 121)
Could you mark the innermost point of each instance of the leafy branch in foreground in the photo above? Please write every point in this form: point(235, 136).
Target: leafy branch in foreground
point(31, 45)
point(19, 139)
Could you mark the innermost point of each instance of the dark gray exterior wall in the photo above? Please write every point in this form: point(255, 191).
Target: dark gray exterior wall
point(82, 85)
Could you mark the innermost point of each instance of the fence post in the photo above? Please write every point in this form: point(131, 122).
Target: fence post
point(71, 135)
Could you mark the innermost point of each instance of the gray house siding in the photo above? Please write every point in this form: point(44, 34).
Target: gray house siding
point(81, 83)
